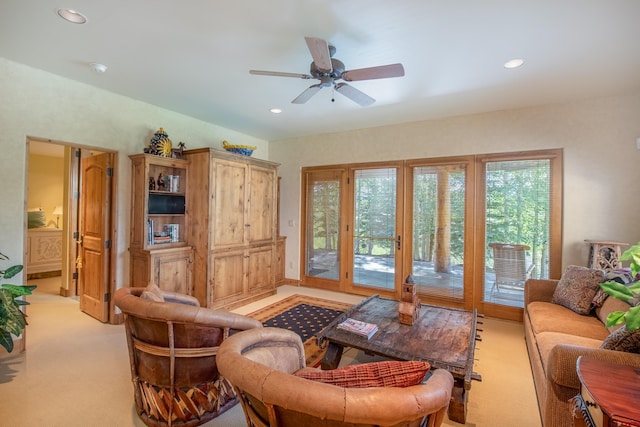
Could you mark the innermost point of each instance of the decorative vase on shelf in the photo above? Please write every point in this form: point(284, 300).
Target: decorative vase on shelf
point(160, 144)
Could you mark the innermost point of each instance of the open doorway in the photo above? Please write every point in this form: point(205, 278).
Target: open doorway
point(69, 229)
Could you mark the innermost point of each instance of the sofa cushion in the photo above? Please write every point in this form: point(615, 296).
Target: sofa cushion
point(623, 340)
point(548, 317)
point(609, 306)
point(547, 340)
point(390, 373)
point(577, 287)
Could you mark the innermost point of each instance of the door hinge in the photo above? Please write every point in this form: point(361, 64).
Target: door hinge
point(109, 172)
point(76, 235)
point(77, 153)
point(74, 276)
point(107, 297)
point(107, 244)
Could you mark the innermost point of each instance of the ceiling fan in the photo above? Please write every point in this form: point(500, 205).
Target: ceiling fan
point(329, 71)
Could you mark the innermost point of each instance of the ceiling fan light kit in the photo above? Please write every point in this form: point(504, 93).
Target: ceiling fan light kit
point(329, 71)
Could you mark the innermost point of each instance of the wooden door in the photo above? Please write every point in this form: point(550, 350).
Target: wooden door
point(261, 218)
point(230, 195)
point(93, 265)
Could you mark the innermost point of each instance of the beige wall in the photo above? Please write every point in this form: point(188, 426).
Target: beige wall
point(601, 161)
point(42, 105)
point(598, 138)
point(46, 178)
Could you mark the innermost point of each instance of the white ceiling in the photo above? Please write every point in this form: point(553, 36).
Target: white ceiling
point(193, 56)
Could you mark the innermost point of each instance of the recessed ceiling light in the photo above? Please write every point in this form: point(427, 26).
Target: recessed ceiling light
point(276, 110)
point(98, 68)
point(514, 63)
point(71, 16)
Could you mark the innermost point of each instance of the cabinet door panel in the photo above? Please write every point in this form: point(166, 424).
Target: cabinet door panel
point(260, 273)
point(228, 276)
point(261, 208)
point(174, 272)
point(229, 203)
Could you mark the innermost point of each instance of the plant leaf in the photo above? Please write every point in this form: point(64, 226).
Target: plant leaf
point(617, 290)
point(632, 318)
point(12, 271)
point(615, 318)
point(6, 341)
point(18, 290)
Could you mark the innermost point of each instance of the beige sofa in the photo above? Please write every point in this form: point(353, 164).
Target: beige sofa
point(556, 336)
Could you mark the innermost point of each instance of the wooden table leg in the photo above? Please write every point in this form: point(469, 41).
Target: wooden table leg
point(458, 405)
point(332, 357)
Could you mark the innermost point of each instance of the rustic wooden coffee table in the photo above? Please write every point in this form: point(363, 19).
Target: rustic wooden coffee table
point(444, 337)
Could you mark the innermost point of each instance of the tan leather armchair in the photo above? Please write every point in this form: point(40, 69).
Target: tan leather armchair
point(172, 351)
point(260, 364)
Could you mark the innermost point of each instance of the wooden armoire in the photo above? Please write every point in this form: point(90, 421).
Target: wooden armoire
point(232, 210)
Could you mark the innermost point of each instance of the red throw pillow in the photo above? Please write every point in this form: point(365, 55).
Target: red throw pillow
point(390, 373)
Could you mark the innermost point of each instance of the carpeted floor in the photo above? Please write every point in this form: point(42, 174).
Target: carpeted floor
point(75, 372)
point(305, 316)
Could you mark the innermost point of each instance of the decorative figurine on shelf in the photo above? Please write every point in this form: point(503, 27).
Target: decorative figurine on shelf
point(152, 183)
point(160, 144)
point(176, 153)
point(160, 182)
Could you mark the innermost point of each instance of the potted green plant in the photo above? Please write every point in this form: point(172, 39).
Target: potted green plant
point(12, 318)
point(630, 294)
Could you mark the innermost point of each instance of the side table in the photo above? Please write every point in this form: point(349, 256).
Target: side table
point(604, 254)
point(609, 394)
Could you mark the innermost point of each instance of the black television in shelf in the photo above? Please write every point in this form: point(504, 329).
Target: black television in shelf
point(166, 204)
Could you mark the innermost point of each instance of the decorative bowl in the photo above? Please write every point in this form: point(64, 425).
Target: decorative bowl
point(245, 150)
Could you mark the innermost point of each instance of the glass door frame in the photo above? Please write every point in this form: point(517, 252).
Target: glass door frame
point(339, 174)
point(469, 227)
point(555, 225)
point(349, 285)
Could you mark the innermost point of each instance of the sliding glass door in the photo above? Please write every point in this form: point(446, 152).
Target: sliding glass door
point(520, 197)
point(375, 234)
point(323, 195)
point(469, 229)
point(438, 194)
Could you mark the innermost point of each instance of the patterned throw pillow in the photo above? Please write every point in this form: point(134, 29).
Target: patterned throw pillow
point(577, 287)
point(623, 340)
point(390, 373)
point(153, 293)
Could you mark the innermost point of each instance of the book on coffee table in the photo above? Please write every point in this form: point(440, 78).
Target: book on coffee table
point(358, 327)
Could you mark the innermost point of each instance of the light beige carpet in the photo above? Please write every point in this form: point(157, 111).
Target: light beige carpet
point(75, 371)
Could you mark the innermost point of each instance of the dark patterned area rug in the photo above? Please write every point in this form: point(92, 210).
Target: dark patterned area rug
point(305, 316)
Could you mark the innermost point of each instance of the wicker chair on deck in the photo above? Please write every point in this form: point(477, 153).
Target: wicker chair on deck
point(510, 266)
point(173, 345)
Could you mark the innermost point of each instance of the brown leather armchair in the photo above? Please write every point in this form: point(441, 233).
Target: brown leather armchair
point(172, 350)
point(260, 364)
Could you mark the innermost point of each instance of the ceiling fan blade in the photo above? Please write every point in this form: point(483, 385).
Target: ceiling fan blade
point(307, 94)
point(380, 72)
point(319, 49)
point(279, 74)
point(354, 94)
